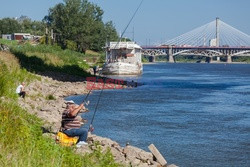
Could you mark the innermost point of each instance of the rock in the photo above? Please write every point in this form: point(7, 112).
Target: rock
point(64, 105)
point(118, 156)
point(155, 164)
point(145, 156)
point(143, 165)
point(172, 165)
point(130, 152)
point(4, 47)
point(45, 109)
point(50, 111)
point(134, 152)
point(135, 162)
point(84, 150)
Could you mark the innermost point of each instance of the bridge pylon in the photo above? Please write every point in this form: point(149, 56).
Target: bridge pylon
point(229, 59)
point(217, 32)
point(151, 59)
point(218, 59)
point(170, 55)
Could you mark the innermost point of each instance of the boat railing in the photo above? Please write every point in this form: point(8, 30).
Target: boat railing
point(118, 45)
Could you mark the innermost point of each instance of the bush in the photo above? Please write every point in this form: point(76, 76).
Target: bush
point(71, 45)
point(50, 97)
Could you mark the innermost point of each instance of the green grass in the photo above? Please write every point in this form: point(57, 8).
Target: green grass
point(241, 59)
point(42, 58)
point(22, 144)
point(21, 137)
point(11, 75)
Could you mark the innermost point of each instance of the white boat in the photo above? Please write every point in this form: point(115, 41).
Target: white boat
point(123, 58)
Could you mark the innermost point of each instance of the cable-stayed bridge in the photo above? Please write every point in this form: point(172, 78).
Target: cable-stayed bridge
point(214, 39)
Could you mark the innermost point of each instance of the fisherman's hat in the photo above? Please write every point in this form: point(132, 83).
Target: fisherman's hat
point(70, 102)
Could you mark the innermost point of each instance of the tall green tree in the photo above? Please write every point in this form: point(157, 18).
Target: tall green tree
point(37, 28)
point(25, 25)
point(9, 26)
point(79, 22)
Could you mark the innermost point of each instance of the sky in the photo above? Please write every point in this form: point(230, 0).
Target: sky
point(155, 22)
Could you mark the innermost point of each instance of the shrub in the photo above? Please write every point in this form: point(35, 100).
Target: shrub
point(71, 45)
point(50, 97)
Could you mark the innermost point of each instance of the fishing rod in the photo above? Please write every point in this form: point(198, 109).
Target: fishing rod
point(92, 120)
point(97, 104)
point(86, 97)
point(131, 19)
point(129, 23)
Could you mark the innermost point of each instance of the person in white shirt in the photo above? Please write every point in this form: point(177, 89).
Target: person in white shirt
point(20, 90)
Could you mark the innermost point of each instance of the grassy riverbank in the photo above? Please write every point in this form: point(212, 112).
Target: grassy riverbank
point(22, 142)
point(42, 58)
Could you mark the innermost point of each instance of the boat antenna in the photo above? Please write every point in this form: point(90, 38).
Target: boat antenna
point(131, 19)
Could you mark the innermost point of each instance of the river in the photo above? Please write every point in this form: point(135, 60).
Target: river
point(195, 114)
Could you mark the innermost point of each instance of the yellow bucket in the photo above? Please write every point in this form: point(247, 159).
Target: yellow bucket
point(65, 140)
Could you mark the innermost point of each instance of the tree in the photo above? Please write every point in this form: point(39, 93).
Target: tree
point(110, 32)
point(22, 24)
point(9, 26)
point(79, 21)
point(37, 28)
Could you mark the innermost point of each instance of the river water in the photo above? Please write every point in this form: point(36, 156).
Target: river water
point(195, 114)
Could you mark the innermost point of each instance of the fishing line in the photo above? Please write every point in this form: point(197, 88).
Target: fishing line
point(131, 19)
point(97, 104)
point(90, 126)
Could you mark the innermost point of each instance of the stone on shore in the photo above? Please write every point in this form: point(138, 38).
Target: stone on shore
point(50, 110)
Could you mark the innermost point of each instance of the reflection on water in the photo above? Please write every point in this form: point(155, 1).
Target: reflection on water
point(195, 114)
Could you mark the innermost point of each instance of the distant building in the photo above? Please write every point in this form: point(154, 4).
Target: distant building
point(7, 36)
point(21, 36)
point(212, 42)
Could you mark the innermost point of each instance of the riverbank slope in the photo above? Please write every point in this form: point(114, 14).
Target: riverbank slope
point(21, 131)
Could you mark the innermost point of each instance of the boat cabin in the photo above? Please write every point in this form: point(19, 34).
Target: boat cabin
point(126, 52)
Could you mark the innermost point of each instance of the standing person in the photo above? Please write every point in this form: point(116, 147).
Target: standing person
point(20, 90)
point(71, 123)
point(94, 69)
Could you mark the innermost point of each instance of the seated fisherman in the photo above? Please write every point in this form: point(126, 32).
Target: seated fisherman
point(20, 90)
point(71, 123)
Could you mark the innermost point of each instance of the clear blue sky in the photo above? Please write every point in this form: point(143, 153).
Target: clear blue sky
point(156, 21)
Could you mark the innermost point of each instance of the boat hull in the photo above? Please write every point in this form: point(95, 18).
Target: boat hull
point(120, 68)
